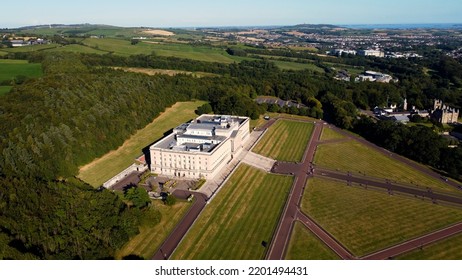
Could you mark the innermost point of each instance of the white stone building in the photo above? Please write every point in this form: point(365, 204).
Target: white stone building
point(201, 148)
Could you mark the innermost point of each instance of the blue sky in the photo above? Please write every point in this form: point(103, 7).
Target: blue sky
point(195, 13)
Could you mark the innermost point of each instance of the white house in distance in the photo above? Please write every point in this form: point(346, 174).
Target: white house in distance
point(201, 148)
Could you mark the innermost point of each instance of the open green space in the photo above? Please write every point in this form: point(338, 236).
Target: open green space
point(153, 234)
point(328, 134)
point(447, 249)
point(10, 68)
point(366, 221)
point(291, 65)
point(304, 245)
point(285, 140)
point(104, 168)
point(373, 163)
point(76, 49)
point(124, 47)
point(4, 90)
point(32, 48)
point(244, 214)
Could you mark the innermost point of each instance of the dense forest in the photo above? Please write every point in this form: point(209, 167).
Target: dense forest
point(83, 107)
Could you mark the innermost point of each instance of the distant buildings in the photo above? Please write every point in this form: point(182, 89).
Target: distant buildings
point(373, 76)
point(376, 53)
point(443, 113)
point(339, 52)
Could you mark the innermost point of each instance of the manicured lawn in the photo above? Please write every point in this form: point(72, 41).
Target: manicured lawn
point(304, 245)
point(102, 169)
point(447, 249)
point(330, 134)
point(10, 68)
point(285, 140)
point(366, 221)
point(152, 235)
point(243, 214)
point(373, 163)
point(4, 90)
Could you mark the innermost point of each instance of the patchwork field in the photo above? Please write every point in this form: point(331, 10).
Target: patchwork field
point(77, 49)
point(146, 243)
point(447, 249)
point(373, 163)
point(32, 48)
point(102, 169)
point(242, 216)
point(285, 140)
point(304, 245)
point(10, 68)
point(366, 221)
point(124, 47)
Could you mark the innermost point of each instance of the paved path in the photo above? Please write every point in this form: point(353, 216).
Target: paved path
point(259, 161)
point(172, 241)
point(280, 240)
point(416, 243)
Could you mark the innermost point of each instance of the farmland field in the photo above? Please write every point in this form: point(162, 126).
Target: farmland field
point(77, 49)
point(124, 47)
point(244, 214)
point(366, 221)
point(10, 68)
point(373, 163)
point(31, 48)
point(152, 235)
point(102, 169)
point(304, 245)
point(447, 249)
point(285, 140)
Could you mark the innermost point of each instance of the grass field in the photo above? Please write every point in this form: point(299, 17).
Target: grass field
point(146, 243)
point(242, 215)
point(366, 221)
point(373, 163)
point(4, 90)
point(304, 245)
point(447, 249)
point(77, 49)
point(330, 134)
point(290, 65)
point(102, 169)
point(285, 140)
point(10, 68)
point(32, 48)
point(151, 71)
point(124, 47)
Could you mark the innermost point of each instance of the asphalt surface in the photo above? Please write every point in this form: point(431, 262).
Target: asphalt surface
point(300, 171)
point(172, 241)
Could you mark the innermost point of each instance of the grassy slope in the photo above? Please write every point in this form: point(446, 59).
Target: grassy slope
point(77, 49)
point(330, 134)
point(102, 169)
point(4, 90)
point(366, 221)
point(146, 243)
point(31, 48)
point(304, 245)
point(373, 163)
point(242, 215)
point(10, 68)
point(447, 249)
point(285, 140)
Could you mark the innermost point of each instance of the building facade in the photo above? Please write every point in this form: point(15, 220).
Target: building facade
point(443, 113)
point(201, 148)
